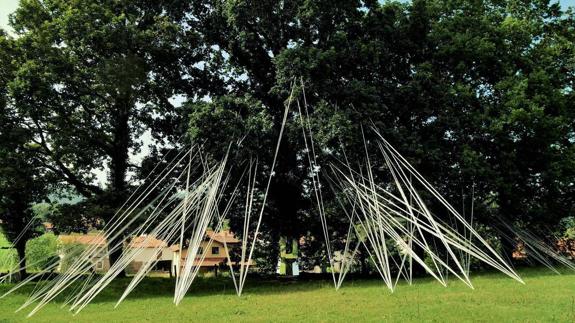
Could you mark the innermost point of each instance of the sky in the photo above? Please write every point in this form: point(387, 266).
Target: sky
point(6, 8)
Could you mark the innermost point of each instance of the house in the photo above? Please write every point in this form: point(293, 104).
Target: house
point(214, 253)
point(520, 251)
point(100, 261)
point(169, 258)
point(567, 247)
point(149, 248)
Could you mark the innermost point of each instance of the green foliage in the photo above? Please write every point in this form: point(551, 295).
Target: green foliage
point(44, 210)
point(4, 242)
point(42, 252)
point(91, 78)
point(570, 233)
point(474, 93)
point(266, 254)
point(22, 181)
point(8, 260)
point(567, 227)
point(229, 118)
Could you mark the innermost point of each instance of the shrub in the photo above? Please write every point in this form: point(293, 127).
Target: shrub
point(41, 252)
point(567, 227)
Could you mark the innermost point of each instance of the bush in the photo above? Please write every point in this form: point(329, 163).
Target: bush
point(8, 260)
point(567, 227)
point(41, 252)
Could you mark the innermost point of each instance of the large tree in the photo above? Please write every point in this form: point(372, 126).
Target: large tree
point(91, 78)
point(474, 93)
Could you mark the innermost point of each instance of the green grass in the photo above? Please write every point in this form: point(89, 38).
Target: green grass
point(545, 298)
point(8, 257)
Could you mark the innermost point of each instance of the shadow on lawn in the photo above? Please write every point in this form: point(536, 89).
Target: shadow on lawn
point(524, 272)
point(157, 287)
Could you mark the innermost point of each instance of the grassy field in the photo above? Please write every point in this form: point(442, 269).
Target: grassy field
point(546, 297)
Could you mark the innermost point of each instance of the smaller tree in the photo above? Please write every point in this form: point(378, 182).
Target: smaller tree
point(21, 183)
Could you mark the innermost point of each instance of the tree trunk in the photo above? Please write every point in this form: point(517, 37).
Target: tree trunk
point(119, 168)
point(507, 248)
point(286, 191)
point(16, 219)
point(114, 256)
point(119, 156)
point(21, 250)
point(363, 261)
point(507, 209)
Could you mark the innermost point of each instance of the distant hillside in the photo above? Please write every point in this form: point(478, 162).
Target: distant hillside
point(65, 198)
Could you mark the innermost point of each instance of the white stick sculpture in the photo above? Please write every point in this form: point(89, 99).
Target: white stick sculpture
point(180, 199)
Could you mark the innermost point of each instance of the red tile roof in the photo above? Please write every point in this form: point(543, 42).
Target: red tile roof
point(223, 236)
point(87, 239)
point(147, 242)
point(210, 262)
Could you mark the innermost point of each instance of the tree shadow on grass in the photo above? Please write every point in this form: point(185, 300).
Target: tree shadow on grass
point(524, 272)
point(158, 287)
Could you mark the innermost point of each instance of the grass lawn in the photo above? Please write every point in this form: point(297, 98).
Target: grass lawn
point(545, 297)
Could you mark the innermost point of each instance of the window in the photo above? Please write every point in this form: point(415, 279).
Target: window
point(99, 265)
point(215, 250)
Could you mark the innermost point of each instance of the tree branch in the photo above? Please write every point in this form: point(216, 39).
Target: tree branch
point(86, 190)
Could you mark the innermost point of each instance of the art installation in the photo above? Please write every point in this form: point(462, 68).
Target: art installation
point(188, 193)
